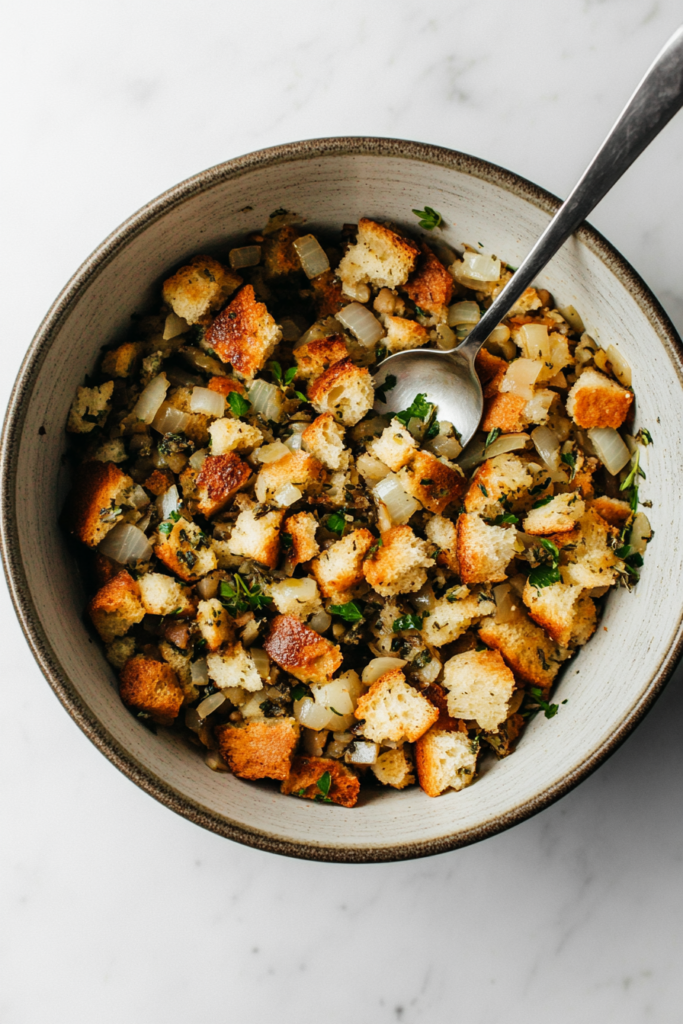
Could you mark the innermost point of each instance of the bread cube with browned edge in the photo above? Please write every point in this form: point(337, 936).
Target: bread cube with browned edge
point(327, 294)
point(498, 482)
point(151, 688)
point(316, 356)
point(430, 285)
point(484, 552)
point(592, 561)
point(219, 480)
point(296, 596)
point(232, 665)
point(613, 510)
point(491, 370)
point(504, 411)
point(403, 334)
point(90, 408)
point(301, 651)
point(380, 257)
point(399, 563)
point(280, 258)
point(298, 468)
point(259, 748)
point(566, 614)
point(432, 482)
point(199, 289)
point(94, 505)
point(340, 567)
point(344, 390)
point(394, 447)
point(322, 779)
point(324, 439)
point(526, 648)
point(244, 334)
point(162, 595)
point(444, 534)
point(214, 623)
point(116, 607)
point(393, 710)
point(301, 528)
point(256, 535)
point(185, 550)
point(445, 760)
point(451, 617)
point(232, 435)
point(122, 361)
point(394, 768)
point(480, 686)
point(559, 515)
point(596, 401)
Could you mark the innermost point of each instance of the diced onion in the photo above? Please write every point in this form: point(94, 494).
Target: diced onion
point(312, 715)
point(399, 505)
point(622, 370)
point(174, 325)
point(144, 523)
point(537, 408)
point(266, 400)
point(572, 318)
point(210, 704)
point(445, 337)
point(474, 453)
point(169, 420)
point(151, 398)
point(478, 267)
point(245, 256)
point(464, 313)
point(507, 603)
point(208, 402)
point(641, 531)
point(445, 445)
point(268, 453)
point(287, 495)
point(360, 321)
point(499, 334)
point(192, 719)
point(356, 290)
point(520, 375)
point(535, 342)
point(139, 496)
point(303, 590)
point(125, 544)
point(261, 660)
point(214, 761)
point(361, 752)
point(506, 443)
point(199, 672)
point(197, 458)
point(334, 694)
point(167, 502)
point(320, 622)
point(379, 667)
point(547, 444)
point(207, 588)
point(609, 448)
point(294, 441)
point(312, 255)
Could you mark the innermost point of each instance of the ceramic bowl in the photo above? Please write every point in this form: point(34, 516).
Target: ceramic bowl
point(609, 686)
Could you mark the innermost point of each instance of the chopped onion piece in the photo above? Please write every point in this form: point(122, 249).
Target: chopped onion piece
point(506, 443)
point(266, 400)
point(622, 370)
point(535, 342)
point(151, 398)
point(609, 448)
point(214, 761)
point(210, 704)
point(312, 255)
point(261, 660)
point(360, 321)
point(499, 334)
point(507, 603)
point(139, 496)
point(537, 408)
point(199, 672)
point(272, 452)
point(445, 338)
point(520, 375)
point(336, 696)
point(207, 588)
point(287, 495)
point(320, 622)
point(572, 318)
point(245, 256)
point(302, 590)
point(547, 444)
point(167, 502)
point(399, 505)
point(450, 447)
point(197, 458)
point(126, 544)
point(641, 531)
point(312, 715)
point(464, 313)
point(478, 267)
point(174, 325)
point(169, 420)
point(474, 453)
point(208, 402)
point(144, 523)
point(294, 441)
point(379, 667)
point(192, 719)
point(361, 752)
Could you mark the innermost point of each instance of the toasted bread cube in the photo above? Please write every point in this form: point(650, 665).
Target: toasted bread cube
point(180, 662)
point(219, 480)
point(592, 562)
point(445, 760)
point(433, 483)
point(491, 370)
point(340, 567)
point(430, 286)
point(394, 768)
point(324, 439)
point(199, 289)
point(314, 357)
point(159, 481)
point(613, 510)
point(122, 361)
point(301, 651)
point(98, 489)
point(398, 566)
point(298, 597)
point(345, 390)
point(484, 552)
point(505, 412)
point(480, 686)
point(259, 748)
point(537, 409)
point(394, 447)
point(186, 551)
point(232, 665)
point(444, 533)
point(403, 334)
point(214, 623)
point(197, 427)
point(90, 408)
point(225, 385)
point(244, 334)
point(596, 401)
point(503, 477)
point(558, 516)
point(116, 607)
point(162, 595)
point(564, 614)
point(450, 619)
point(305, 778)
point(257, 536)
point(301, 528)
point(231, 435)
point(119, 651)
point(327, 294)
point(395, 711)
point(151, 687)
point(526, 648)
point(280, 258)
point(380, 257)
point(299, 469)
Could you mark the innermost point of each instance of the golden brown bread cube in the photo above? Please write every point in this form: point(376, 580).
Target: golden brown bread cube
point(151, 687)
point(327, 294)
point(257, 535)
point(345, 390)
point(224, 385)
point(430, 285)
point(399, 563)
point(199, 288)
point(259, 748)
point(484, 552)
point(122, 361)
point(302, 529)
point(433, 484)
point(393, 710)
point(159, 481)
point(403, 334)
point(504, 477)
point(596, 401)
point(566, 616)
point(298, 468)
point(445, 760)
point(301, 651)
point(280, 258)
point(244, 334)
point(526, 648)
point(315, 357)
point(97, 490)
point(491, 370)
point(116, 607)
point(480, 686)
point(380, 256)
point(340, 567)
point(504, 411)
point(219, 480)
point(185, 551)
point(306, 774)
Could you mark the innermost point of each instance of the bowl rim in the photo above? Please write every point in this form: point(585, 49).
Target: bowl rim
point(16, 413)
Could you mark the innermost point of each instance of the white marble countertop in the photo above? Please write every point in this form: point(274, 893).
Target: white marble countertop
point(113, 908)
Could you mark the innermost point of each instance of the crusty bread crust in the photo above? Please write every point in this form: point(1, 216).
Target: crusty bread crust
point(340, 567)
point(224, 385)
point(151, 687)
point(430, 286)
point(116, 607)
point(491, 370)
point(394, 710)
point(306, 772)
point(96, 486)
point(280, 258)
point(159, 481)
point(613, 510)
point(302, 528)
point(219, 480)
point(564, 614)
point(257, 536)
point(298, 468)
point(398, 565)
point(199, 288)
point(530, 653)
point(484, 552)
point(181, 552)
point(259, 749)
point(301, 651)
point(445, 760)
point(315, 357)
point(244, 334)
point(327, 294)
point(433, 484)
point(504, 411)
point(345, 390)
point(596, 401)
point(403, 334)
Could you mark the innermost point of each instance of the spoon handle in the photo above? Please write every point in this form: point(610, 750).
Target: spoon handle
point(658, 97)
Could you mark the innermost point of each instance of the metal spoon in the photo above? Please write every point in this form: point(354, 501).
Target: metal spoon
point(449, 379)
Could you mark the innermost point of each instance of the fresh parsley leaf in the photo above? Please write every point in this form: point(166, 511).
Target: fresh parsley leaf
point(376, 546)
point(552, 549)
point(175, 516)
point(635, 472)
point(290, 374)
point(240, 597)
point(421, 312)
point(300, 396)
point(432, 431)
point(635, 559)
point(491, 437)
point(387, 384)
point(539, 487)
point(623, 551)
point(336, 522)
point(428, 218)
point(483, 490)
point(166, 528)
point(540, 704)
point(324, 783)
point(238, 404)
point(419, 408)
point(644, 437)
point(349, 612)
point(300, 792)
point(299, 691)
point(548, 573)
point(569, 460)
point(505, 517)
point(542, 501)
point(407, 622)
point(276, 371)
point(175, 611)
point(286, 541)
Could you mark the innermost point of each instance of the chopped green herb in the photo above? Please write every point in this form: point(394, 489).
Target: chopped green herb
point(506, 517)
point(491, 437)
point(428, 218)
point(376, 546)
point(349, 612)
point(238, 404)
point(300, 792)
point(324, 783)
point(542, 501)
point(421, 312)
point(420, 409)
point(336, 523)
point(276, 371)
point(388, 384)
point(539, 487)
point(644, 437)
point(635, 472)
point(483, 490)
point(426, 483)
point(423, 658)
point(540, 704)
point(199, 645)
point(241, 598)
point(299, 691)
point(291, 374)
point(175, 611)
point(166, 528)
point(286, 541)
point(547, 574)
point(301, 396)
point(407, 622)
point(569, 460)
point(175, 516)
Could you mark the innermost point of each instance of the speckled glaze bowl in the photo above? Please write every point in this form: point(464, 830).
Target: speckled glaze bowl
point(609, 686)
